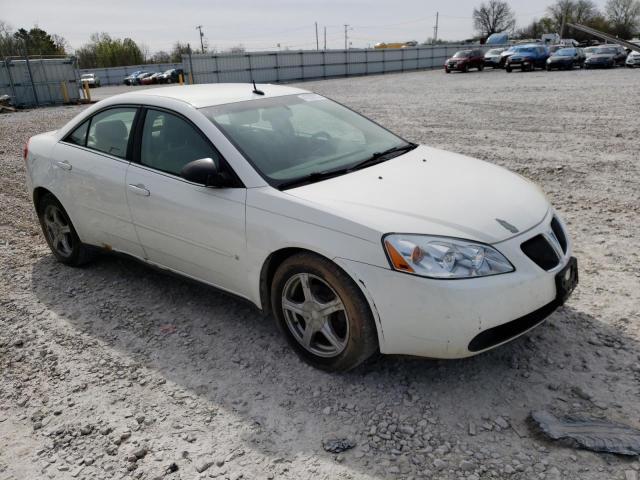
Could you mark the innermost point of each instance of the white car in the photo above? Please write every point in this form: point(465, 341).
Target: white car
point(633, 60)
point(355, 240)
point(91, 79)
point(492, 57)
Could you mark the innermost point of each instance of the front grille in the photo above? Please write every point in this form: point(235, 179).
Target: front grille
point(559, 233)
point(541, 252)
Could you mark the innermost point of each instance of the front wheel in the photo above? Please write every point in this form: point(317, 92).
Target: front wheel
point(322, 313)
point(508, 69)
point(61, 234)
point(480, 68)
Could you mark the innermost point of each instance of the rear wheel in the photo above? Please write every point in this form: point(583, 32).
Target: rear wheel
point(322, 313)
point(480, 67)
point(465, 69)
point(60, 233)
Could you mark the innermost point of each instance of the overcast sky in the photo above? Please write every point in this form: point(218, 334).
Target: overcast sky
point(256, 24)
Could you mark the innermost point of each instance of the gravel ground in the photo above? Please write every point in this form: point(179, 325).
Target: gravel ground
point(117, 371)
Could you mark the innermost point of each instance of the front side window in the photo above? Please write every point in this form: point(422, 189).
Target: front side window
point(170, 142)
point(295, 136)
point(109, 131)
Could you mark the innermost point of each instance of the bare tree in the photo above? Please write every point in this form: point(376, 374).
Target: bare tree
point(493, 17)
point(624, 17)
point(571, 11)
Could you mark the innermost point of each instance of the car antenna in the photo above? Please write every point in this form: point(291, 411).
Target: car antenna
point(255, 89)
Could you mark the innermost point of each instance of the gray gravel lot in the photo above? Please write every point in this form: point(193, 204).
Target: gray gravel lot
point(117, 371)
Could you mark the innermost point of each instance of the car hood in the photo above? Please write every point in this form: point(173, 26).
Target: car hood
point(431, 191)
point(560, 58)
point(604, 56)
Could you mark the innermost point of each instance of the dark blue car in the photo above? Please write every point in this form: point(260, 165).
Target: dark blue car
point(527, 58)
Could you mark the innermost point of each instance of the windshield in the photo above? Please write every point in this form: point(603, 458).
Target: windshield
point(462, 54)
point(495, 51)
point(294, 136)
point(523, 50)
point(566, 52)
point(609, 50)
point(87, 75)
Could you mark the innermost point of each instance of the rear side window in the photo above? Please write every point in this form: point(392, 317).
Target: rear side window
point(109, 131)
point(79, 135)
point(170, 142)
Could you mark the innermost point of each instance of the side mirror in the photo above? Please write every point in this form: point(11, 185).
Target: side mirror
point(205, 172)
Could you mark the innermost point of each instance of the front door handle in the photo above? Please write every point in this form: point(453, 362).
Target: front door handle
point(139, 189)
point(64, 165)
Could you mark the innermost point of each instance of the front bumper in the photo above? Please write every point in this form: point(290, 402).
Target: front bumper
point(442, 318)
point(455, 65)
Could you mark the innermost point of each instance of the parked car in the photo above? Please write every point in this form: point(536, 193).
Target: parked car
point(464, 60)
point(138, 80)
point(492, 57)
point(633, 60)
point(527, 58)
point(91, 79)
point(505, 55)
point(566, 59)
point(131, 79)
point(605, 56)
point(171, 76)
point(151, 79)
point(310, 211)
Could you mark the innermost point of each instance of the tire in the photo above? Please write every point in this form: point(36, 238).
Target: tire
point(508, 69)
point(465, 69)
point(548, 68)
point(70, 251)
point(351, 325)
point(446, 70)
point(480, 68)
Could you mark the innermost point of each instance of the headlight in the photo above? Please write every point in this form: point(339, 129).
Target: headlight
point(443, 257)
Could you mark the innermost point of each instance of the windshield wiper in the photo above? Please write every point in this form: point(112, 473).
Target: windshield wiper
point(378, 157)
point(312, 177)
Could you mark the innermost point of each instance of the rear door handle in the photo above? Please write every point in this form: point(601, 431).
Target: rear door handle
point(64, 165)
point(139, 189)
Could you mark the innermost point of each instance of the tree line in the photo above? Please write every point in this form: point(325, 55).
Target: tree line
point(100, 51)
point(620, 18)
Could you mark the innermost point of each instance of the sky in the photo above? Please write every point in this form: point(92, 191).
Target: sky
point(256, 24)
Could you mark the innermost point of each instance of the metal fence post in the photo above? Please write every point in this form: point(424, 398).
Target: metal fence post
point(33, 85)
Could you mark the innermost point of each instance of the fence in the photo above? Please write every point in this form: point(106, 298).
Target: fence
point(115, 75)
point(288, 66)
point(40, 81)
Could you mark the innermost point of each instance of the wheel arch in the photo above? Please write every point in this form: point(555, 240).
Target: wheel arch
point(276, 258)
point(38, 195)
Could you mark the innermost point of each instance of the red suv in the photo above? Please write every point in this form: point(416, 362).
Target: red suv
point(464, 60)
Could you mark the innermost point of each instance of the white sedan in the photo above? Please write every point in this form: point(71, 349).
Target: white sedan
point(355, 239)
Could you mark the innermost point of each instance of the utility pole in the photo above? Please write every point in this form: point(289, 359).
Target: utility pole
point(435, 29)
point(199, 27)
point(317, 42)
point(346, 35)
point(564, 19)
point(325, 37)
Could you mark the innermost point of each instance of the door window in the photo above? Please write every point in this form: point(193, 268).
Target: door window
point(110, 129)
point(79, 135)
point(169, 143)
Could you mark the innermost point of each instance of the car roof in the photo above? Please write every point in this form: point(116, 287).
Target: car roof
point(207, 95)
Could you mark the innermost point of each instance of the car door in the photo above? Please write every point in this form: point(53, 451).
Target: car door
point(189, 228)
point(90, 167)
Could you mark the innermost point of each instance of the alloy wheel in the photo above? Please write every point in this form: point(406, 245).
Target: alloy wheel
point(315, 315)
point(58, 230)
